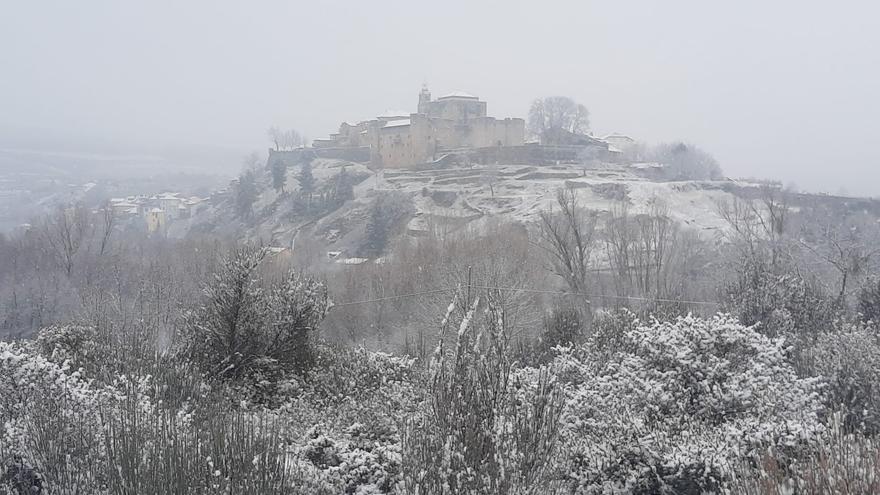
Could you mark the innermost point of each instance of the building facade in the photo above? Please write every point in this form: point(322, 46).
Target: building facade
point(452, 122)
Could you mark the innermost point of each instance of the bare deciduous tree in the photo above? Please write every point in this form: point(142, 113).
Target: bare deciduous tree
point(285, 139)
point(759, 226)
point(642, 249)
point(568, 237)
point(64, 232)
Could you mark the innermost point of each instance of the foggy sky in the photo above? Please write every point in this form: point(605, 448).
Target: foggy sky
point(782, 89)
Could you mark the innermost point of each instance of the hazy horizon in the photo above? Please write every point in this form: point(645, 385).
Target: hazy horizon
point(781, 91)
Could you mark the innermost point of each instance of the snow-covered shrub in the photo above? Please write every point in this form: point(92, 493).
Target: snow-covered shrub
point(869, 302)
point(362, 460)
point(609, 334)
point(487, 428)
point(849, 363)
point(80, 345)
point(344, 374)
point(565, 325)
point(672, 410)
point(780, 304)
point(841, 463)
point(206, 447)
point(246, 331)
point(51, 422)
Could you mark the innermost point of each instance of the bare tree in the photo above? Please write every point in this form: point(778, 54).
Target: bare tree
point(291, 139)
point(64, 232)
point(558, 113)
point(568, 237)
point(108, 224)
point(759, 226)
point(843, 243)
point(285, 139)
point(640, 248)
point(276, 136)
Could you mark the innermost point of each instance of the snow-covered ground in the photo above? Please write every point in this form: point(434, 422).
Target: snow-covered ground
point(520, 193)
point(471, 196)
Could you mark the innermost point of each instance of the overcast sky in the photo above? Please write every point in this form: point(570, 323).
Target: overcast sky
point(782, 89)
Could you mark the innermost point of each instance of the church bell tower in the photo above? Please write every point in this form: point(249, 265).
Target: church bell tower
point(424, 100)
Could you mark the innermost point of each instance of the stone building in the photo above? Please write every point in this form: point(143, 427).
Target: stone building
point(452, 122)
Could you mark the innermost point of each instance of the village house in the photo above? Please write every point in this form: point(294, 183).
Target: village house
point(157, 211)
point(620, 142)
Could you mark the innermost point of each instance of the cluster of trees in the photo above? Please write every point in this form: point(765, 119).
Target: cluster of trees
point(289, 139)
point(310, 197)
point(558, 119)
point(548, 116)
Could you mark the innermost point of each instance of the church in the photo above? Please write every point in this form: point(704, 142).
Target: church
point(453, 122)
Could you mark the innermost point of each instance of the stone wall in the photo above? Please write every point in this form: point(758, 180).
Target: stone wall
point(292, 157)
point(529, 154)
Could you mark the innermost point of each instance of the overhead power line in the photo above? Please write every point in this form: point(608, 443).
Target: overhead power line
point(523, 289)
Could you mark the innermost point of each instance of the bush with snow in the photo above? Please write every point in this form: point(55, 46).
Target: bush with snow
point(52, 434)
point(848, 361)
point(487, 428)
point(363, 460)
point(679, 404)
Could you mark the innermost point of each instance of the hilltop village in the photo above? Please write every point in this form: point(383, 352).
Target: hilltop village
point(453, 128)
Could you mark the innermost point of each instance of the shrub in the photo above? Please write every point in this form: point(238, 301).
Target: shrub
point(672, 410)
point(849, 363)
point(52, 434)
point(247, 331)
point(487, 429)
point(780, 304)
point(364, 460)
point(841, 463)
point(563, 326)
point(207, 448)
point(79, 345)
point(686, 162)
point(869, 302)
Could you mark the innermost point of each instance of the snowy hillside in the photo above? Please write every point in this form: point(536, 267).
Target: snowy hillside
point(456, 197)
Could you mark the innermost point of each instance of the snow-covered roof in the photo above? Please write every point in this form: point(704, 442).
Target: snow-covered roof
point(397, 123)
point(156, 210)
point(458, 94)
point(616, 135)
point(394, 113)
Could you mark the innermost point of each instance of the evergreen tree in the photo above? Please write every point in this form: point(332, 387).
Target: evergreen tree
point(246, 329)
point(245, 193)
point(306, 181)
point(344, 187)
point(386, 212)
point(279, 175)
